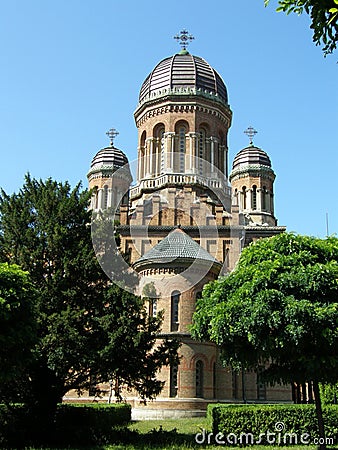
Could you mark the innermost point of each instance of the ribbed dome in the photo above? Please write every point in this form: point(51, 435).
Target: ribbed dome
point(251, 156)
point(183, 71)
point(109, 156)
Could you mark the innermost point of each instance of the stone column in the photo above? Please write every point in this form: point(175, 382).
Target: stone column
point(267, 201)
point(248, 199)
point(168, 151)
point(272, 209)
point(193, 152)
point(145, 161)
point(99, 199)
point(212, 154)
point(172, 152)
point(109, 202)
point(151, 156)
point(259, 199)
point(225, 160)
point(206, 167)
point(139, 164)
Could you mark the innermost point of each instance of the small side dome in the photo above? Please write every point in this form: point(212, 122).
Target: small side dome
point(109, 157)
point(251, 155)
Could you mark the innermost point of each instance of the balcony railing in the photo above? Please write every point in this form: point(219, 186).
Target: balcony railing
point(176, 179)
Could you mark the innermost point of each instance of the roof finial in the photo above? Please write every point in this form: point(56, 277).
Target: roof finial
point(184, 37)
point(250, 132)
point(112, 133)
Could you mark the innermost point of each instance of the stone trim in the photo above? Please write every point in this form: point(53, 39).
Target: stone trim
point(141, 116)
point(254, 170)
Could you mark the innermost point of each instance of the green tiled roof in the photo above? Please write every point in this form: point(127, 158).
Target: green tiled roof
point(177, 245)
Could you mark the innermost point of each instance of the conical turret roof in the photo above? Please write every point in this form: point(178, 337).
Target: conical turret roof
point(175, 247)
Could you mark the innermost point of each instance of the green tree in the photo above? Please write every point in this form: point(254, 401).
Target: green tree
point(88, 329)
point(278, 308)
point(17, 326)
point(324, 19)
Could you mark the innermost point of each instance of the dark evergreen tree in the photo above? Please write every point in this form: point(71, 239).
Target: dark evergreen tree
point(88, 328)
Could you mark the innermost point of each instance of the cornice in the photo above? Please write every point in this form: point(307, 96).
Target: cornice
point(254, 170)
point(179, 104)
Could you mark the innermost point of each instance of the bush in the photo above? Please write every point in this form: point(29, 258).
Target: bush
point(329, 393)
point(15, 426)
point(90, 424)
point(257, 420)
point(74, 424)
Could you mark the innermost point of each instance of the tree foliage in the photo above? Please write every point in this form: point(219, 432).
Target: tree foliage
point(17, 324)
point(88, 329)
point(324, 19)
point(278, 309)
point(280, 306)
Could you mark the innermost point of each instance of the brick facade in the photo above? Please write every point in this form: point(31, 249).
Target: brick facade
point(182, 181)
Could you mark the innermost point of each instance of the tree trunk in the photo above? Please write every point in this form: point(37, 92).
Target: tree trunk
point(319, 413)
point(45, 398)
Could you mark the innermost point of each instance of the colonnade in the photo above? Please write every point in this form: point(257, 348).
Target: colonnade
point(106, 197)
point(164, 154)
point(256, 199)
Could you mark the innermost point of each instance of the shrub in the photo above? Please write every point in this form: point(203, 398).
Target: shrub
point(90, 423)
point(282, 420)
point(74, 424)
point(329, 393)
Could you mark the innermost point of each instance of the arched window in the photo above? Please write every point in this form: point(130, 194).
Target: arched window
point(222, 153)
point(105, 198)
point(158, 148)
point(175, 303)
point(161, 150)
point(264, 193)
point(173, 380)
point(202, 149)
point(153, 307)
point(254, 197)
point(181, 130)
point(181, 148)
point(142, 159)
point(95, 197)
point(244, 197)
point(199, 378)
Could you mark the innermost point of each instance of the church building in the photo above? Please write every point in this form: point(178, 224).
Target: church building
point(185, 219)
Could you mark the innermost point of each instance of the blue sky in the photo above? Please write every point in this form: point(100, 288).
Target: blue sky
point(72, 69)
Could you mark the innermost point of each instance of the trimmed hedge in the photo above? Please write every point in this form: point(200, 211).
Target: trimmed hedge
point(279, 419)
point(74, 424)
point(94, 423)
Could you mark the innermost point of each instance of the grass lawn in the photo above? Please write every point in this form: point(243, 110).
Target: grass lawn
point(174, 434)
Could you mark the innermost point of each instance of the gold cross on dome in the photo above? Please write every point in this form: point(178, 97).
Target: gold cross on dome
point(250, 132)
point(112, 133)
point(184, 37)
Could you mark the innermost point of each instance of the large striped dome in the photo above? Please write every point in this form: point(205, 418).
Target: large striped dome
point(183, 71)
